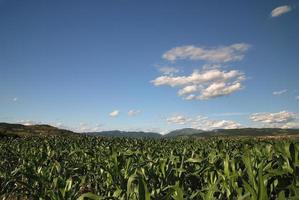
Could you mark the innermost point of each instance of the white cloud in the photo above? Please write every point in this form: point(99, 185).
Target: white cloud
point(168, 70)
point(98, 127)
point(178, 119)
point(132, 113)
point(204, 84)
point(280, 10)
point(279, 117)
point(218, 124)
point(15, 99)
point(219, 89)
point(85, 127)
point(188, 90)
point(294, 124)
point(114, 113)
point(59, 125)
point(280, 92)
point(203, 123)
point(223, 54)
point(282, 119)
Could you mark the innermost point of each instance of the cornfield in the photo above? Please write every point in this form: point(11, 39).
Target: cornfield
point(122, 168)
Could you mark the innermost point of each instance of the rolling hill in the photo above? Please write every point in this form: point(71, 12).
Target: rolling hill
point(183, 132)
point(19, 130)
point(234, 132)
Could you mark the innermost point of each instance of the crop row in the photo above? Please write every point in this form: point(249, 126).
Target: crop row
point(122, 168)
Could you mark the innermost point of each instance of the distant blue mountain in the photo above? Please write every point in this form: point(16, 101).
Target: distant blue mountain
point(132, 134)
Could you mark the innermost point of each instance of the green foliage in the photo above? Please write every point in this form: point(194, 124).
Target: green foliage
point(99, 168)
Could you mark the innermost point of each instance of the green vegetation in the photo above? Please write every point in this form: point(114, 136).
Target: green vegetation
point(83, 167)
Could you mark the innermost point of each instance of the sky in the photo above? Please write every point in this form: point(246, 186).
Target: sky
point(149, 65)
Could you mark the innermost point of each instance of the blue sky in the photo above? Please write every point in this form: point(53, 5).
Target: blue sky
point(84, 65)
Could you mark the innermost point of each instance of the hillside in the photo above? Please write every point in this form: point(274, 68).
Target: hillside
point(131, 134)
point(7, 129)
point(183, 132)
point(236, 132)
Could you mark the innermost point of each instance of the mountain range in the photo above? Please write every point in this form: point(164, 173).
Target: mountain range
point(132, 134)
point(19, 130)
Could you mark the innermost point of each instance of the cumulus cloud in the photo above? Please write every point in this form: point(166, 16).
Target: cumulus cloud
point(15, 99)
point(223, 54)
point(178, 119)
point(168, 70)
point(219, 89)
point(203, 85)
point(114, 113)
point(280, 10)
point(282, 119)
point(132, 113)
point(280, 92)
point(279, 117)
point(218, 124)
point(203, 123)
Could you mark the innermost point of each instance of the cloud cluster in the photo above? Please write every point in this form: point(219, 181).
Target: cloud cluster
point(201, 122)
point(219, 124)
point(223, 54)
point(280, 10)
point(279, 92)
point(168, 70)
point(114, 113)
point(131, 113)
point(178, 119)
point(85, 127)
point(282, 119)
point(204, 84)
point(209, 82)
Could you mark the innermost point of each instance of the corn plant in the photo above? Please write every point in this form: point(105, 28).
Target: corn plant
point(102, 168)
